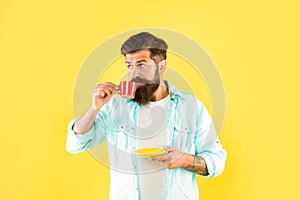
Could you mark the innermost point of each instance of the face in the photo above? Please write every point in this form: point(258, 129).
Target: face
point(142, 69)
point(141, 66)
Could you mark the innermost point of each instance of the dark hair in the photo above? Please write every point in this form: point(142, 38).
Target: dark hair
point(156, 46)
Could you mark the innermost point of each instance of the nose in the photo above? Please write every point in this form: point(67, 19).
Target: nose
point(135, 72)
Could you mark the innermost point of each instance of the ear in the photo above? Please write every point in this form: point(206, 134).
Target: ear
point(162, 65)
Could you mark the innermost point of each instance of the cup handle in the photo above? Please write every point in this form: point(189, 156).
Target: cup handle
point(117, 89)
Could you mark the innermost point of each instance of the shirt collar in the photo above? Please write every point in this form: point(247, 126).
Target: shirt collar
point(173, 92)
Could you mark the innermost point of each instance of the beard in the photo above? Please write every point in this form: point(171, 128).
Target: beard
point(144, 94)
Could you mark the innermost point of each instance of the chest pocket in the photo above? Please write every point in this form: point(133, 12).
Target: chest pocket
point(121, 134)
point(184, 136)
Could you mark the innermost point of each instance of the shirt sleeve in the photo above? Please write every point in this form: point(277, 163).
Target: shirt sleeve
point(77, 143)
point(208, 144)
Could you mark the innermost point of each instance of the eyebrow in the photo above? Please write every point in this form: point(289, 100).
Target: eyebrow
point(127, 62)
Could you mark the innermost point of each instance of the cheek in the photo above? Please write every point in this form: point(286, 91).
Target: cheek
point(151, 74)
point(148, 75)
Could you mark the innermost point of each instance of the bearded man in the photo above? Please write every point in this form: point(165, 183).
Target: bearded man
point(159, 116)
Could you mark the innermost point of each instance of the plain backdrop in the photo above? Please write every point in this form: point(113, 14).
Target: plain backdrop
point(254, 44)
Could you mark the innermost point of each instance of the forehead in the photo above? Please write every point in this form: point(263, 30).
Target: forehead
point(137, 56)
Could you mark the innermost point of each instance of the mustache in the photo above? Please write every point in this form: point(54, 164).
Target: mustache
point(141, 80)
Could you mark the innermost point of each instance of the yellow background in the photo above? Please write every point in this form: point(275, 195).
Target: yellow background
point(254, 44)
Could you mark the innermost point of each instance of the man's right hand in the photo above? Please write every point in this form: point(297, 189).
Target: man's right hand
point(101, 94)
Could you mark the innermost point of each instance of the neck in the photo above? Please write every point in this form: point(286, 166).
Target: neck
point(161, 92)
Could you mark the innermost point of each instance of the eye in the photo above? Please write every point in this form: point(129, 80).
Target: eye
point(141, 65)
point(129, 66)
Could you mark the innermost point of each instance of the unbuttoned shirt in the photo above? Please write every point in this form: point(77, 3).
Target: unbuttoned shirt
point(189, 128)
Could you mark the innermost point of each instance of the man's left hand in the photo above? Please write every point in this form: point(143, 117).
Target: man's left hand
point(173, 159)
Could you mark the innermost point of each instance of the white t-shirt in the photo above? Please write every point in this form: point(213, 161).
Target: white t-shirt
point(152, 132)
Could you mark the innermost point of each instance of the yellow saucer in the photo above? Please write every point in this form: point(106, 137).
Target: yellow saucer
point(148, 152)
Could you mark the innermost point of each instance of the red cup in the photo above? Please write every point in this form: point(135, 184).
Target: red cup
point(127, 89)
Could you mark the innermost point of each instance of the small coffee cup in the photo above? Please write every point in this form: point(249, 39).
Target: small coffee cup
point(127, 89)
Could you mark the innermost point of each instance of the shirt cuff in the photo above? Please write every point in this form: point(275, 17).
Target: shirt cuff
point(84, 137)
point(210, 165)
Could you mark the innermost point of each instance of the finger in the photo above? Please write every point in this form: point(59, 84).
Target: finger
point(99, 92)
point(106, 84)
point(106, 89)
point(170, 166)
point(169, 148)
point(101, 87)
point(164, 164)
point(117, 90)
point(161, 158)
point(103, 93)
point(157, 162)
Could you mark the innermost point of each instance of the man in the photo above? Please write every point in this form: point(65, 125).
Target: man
point(158, 116)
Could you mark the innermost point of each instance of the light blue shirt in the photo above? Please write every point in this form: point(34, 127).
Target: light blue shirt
point(189, 127)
